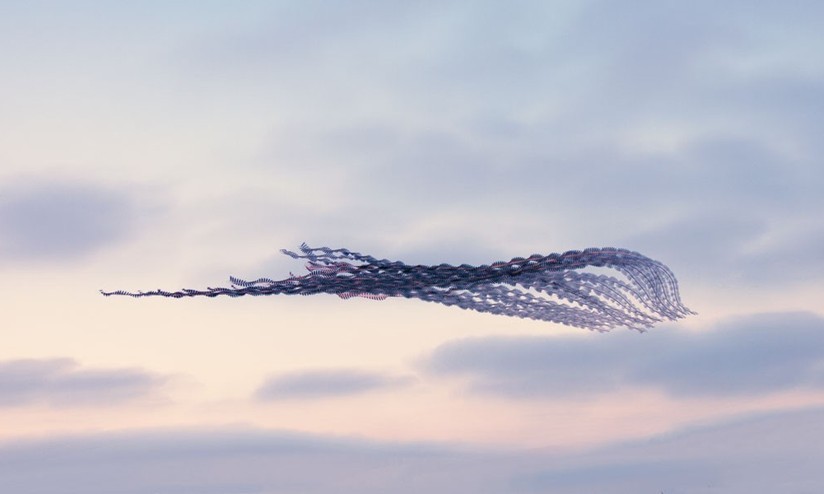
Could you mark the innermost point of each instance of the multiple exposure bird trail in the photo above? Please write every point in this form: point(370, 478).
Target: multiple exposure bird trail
point(550, 288)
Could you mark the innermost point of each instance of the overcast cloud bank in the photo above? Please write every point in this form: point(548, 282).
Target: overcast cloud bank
point(776, 452)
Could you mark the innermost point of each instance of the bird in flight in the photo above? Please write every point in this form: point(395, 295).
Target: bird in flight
point(552, 288)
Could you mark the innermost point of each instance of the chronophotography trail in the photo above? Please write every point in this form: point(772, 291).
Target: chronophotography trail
point(553, 288)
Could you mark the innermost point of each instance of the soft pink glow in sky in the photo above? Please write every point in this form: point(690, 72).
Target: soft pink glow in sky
point(154, 145)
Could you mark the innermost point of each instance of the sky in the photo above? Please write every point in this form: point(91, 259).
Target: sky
point(148, 145)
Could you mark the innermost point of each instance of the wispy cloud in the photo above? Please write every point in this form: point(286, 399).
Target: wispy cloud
point(63, 382)
point(743, 356)
point(327, 383)
point(58, 221)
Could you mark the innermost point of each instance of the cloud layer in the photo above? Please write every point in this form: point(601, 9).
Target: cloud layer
point(745, 356)
point(578, 124)
point(57, 221)
point(64, 383)
point(776, 452)
point(326, 383)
